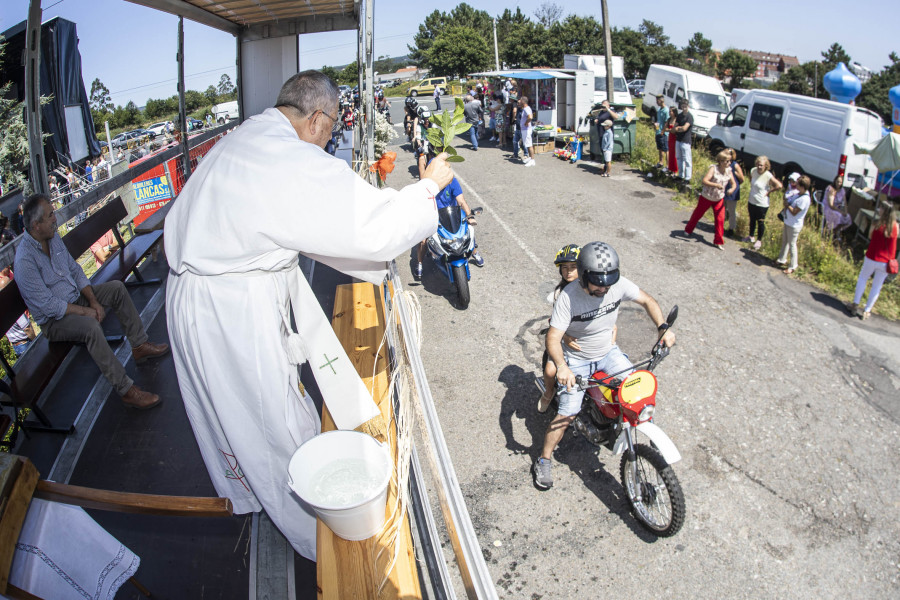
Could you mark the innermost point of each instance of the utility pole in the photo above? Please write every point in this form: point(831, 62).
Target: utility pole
point(607, 51)
point(816, 81)
point(496, 53)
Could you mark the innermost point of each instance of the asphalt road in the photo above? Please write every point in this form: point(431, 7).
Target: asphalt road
point(785, 409)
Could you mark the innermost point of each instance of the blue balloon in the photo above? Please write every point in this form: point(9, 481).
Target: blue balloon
point(842, 84)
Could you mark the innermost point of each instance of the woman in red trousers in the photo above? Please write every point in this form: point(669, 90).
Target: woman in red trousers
point(673, 162)
point(715, 182)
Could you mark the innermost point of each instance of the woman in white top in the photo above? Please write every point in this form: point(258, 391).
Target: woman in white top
point(762, 183)
point(795, 209)
point(718, 181)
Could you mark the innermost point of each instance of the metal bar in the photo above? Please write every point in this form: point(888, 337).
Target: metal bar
point(33, 99)
point(369, 98)
point(474, 570)
point(432, 554)
point(360, 57)
point(238, 79)
point(182, 112)
point(198, 15)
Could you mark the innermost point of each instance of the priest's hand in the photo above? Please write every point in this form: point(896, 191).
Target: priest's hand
point(439, 171)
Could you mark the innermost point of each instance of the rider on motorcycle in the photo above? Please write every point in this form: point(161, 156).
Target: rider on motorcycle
point(411, 105)
point(587, 310)
point(451, 195)
point(423, 149)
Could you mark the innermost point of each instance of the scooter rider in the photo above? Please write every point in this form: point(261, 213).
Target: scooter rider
point(411, 105)
point(423, 149)
point(587, 310)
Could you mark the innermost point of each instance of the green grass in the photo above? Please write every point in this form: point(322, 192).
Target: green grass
point(830, 264)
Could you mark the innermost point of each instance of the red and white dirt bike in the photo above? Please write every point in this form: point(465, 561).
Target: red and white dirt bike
point(613, 412)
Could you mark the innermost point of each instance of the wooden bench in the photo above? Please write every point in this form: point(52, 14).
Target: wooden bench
point(20, 482)
point(125, 260)
point(348, 569)
point(34, 370)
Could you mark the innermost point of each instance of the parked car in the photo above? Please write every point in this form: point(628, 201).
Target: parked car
point(194, 124)
point(123, 139)
point(344, 89)
point(704, 94)
point(798, 133)
point(159, 128)
point(145, 132)
point(426, 86)
point(636, 87)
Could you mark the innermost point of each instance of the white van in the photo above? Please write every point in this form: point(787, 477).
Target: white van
point(705, 95)
point(225, 112)
point(597, 64)
point(798, 133)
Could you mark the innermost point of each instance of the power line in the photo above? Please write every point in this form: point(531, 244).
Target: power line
point(146, 85)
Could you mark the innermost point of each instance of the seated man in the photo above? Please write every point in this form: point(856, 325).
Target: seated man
point(66, 306)
point(587, 310)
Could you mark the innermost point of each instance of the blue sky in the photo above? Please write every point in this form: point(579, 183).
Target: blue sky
point(132, 48)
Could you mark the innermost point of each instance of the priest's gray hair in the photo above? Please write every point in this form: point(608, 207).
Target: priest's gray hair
point(309, 91)
point(33, 209)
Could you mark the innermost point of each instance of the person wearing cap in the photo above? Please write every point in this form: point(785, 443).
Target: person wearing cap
point(684, 125)
point(606, 145)
point(587, 310)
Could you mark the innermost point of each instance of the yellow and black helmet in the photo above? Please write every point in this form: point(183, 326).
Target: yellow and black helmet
point(568, 253)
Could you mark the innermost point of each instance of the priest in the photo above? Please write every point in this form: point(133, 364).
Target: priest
point(263, 194)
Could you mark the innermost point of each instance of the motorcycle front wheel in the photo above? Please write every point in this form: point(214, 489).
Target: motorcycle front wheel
point(653, 491)
point(462, 285)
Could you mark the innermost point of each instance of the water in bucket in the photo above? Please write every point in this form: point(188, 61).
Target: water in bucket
point(344, 476)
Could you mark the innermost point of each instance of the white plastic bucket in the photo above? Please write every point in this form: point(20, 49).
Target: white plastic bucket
point(352, 506)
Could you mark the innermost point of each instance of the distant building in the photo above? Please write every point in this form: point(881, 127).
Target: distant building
point(864, 73)
point(401, 75)
point(769, 66)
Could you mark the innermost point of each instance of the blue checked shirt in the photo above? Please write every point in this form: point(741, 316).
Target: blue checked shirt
point(47, 284)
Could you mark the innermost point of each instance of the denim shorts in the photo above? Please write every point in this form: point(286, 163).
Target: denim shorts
point(614, 362)
point(662, 142)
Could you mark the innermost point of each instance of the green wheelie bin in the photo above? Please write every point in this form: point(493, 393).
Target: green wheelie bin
point(623, 131)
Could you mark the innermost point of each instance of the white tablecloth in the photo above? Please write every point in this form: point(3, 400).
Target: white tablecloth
point(63, 553)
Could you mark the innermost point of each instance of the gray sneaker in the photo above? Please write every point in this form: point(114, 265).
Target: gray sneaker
point(542, 476)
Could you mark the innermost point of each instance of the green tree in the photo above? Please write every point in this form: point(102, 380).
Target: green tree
point(649, 45)
point(194, 100)
point(478, 21)
point(100, 99)
point(572, 35)
point(457, 51)
point(225, 87)
point(834, 55)
point(737, 65)
point(523, 45)
point(155, 109)
point(350, 74)
point(803, 80)
point(699, 50)
point(211, 94)
point(14, 155)
point(874, 94)
point(332, 73)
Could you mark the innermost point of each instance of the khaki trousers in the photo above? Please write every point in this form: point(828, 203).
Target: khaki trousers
point(87, 331)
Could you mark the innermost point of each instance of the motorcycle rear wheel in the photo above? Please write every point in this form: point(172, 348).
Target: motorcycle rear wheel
point(653, 490)
point(462, 285)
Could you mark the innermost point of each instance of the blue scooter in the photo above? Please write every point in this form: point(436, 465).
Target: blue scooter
point(451, 247)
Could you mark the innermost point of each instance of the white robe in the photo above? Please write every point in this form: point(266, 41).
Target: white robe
point(260, 197)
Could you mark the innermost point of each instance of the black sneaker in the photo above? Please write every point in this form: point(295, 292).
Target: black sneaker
point(541, 471)
point(418, 272)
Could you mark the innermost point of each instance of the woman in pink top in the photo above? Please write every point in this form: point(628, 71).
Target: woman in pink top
point(882, 248)
point(715, 182)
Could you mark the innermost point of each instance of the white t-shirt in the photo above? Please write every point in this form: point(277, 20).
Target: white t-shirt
point(796, 221)
point(590, 320)
point(759, 187)
point(526, 114)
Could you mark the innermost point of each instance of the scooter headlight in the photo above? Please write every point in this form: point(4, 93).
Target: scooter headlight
point(455, 245)
point(646, 413)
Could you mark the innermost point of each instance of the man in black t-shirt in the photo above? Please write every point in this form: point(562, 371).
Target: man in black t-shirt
point(684, 125)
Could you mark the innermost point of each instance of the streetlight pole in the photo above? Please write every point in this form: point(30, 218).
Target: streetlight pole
point(496, 53)
point(607, 51)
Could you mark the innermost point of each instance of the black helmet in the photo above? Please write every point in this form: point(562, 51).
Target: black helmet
point(411, 102)
point(598, 264)
point(568, 253)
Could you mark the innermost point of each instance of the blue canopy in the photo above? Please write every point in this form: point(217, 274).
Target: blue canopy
point(526, 74)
